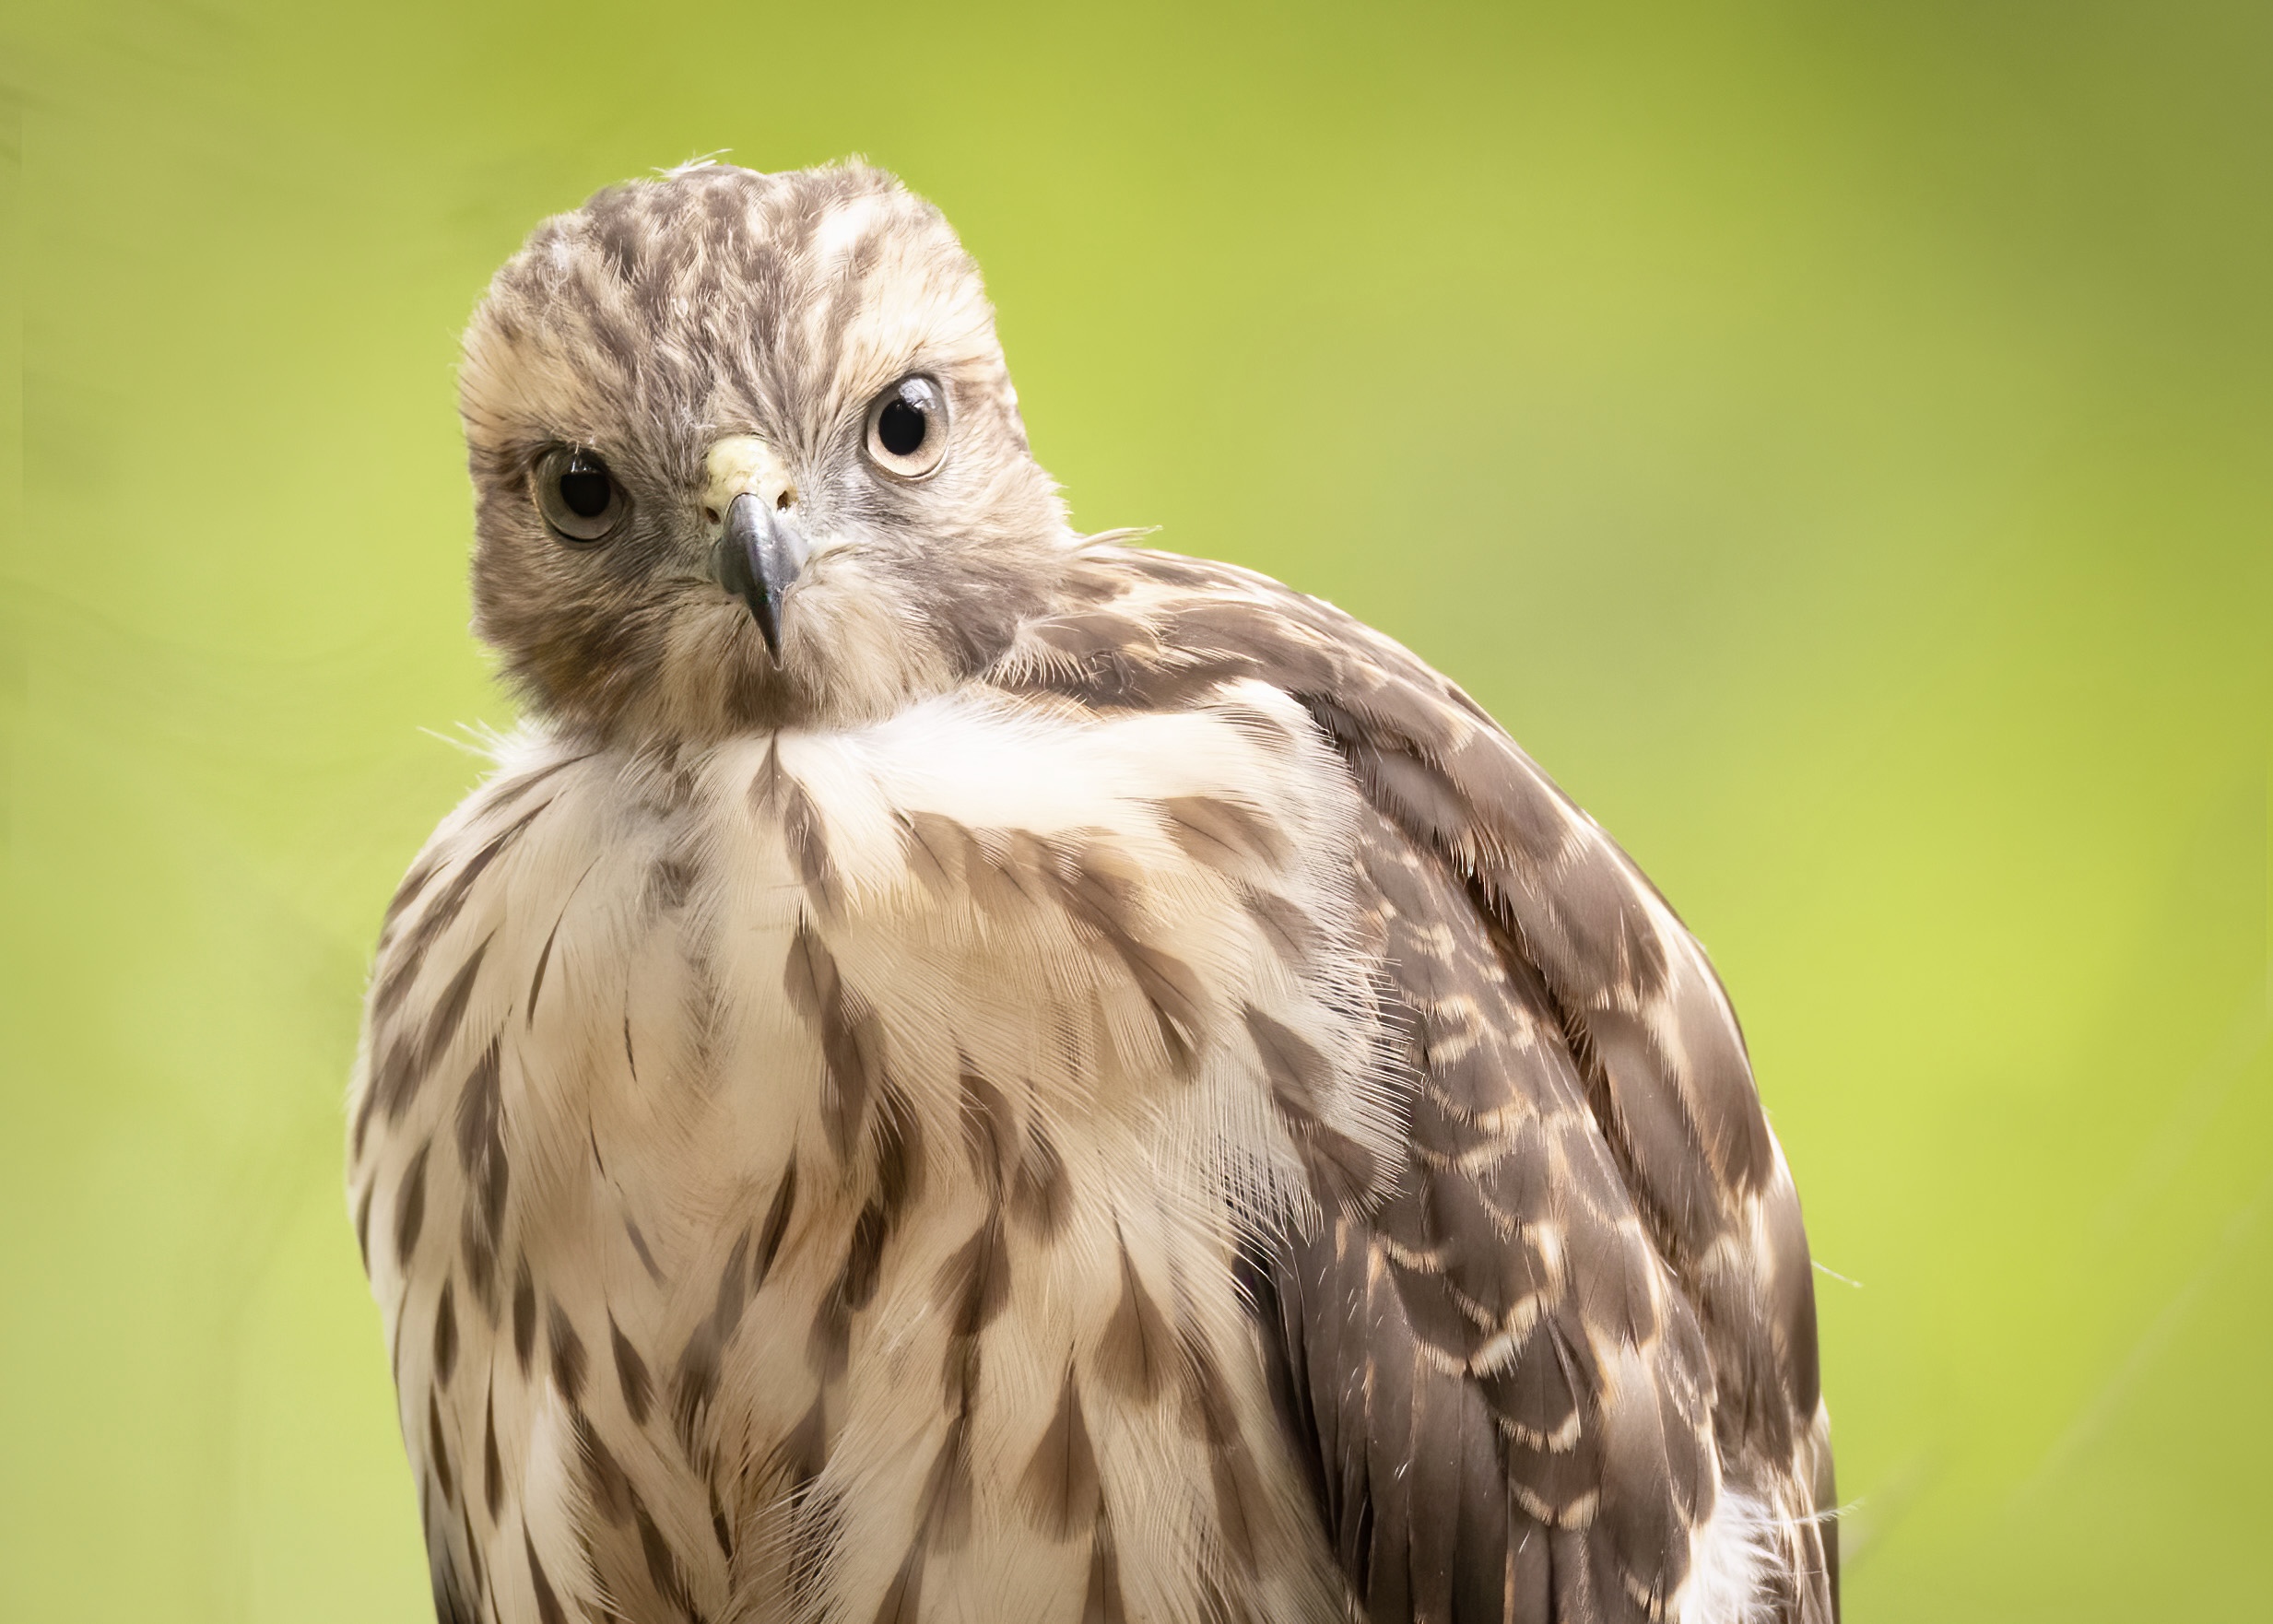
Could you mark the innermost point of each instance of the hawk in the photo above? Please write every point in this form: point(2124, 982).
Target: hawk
point(958, 1070)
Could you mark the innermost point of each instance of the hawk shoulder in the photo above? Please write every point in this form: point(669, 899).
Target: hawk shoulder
point(1567, 1368)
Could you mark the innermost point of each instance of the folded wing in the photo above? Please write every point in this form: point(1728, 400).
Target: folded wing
point(1567, 1370)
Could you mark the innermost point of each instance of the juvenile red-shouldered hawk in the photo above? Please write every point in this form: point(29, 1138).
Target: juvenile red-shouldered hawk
point(963, 1071)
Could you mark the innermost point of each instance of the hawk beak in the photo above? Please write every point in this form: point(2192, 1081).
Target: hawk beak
point(758, 558)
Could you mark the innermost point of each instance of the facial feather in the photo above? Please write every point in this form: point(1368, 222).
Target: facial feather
point(667, 314)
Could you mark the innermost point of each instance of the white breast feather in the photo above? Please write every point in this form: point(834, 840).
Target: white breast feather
point(662, 1083)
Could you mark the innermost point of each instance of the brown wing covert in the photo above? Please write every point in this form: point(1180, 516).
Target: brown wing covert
point(1587, 1314)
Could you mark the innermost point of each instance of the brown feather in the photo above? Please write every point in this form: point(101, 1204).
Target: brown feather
point(1568, 1072)
point(1059, 1486)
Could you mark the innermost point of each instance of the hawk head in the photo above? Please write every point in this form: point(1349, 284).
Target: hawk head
point(744, 452)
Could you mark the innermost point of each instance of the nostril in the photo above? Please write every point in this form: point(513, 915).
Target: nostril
point(710, 515)
point(781, 502)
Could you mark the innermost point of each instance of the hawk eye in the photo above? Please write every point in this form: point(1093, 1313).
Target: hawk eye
point(907, 428)
point(578, 496)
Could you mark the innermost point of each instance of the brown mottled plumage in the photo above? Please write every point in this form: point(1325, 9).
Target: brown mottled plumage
point(963, 1071)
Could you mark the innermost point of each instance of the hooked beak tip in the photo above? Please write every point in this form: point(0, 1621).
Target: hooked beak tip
point(759, 557)
point(768, 614)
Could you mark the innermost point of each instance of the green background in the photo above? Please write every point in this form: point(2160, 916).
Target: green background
point(1834, 438)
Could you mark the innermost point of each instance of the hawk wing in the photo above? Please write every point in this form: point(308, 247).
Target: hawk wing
point(1567, 1370)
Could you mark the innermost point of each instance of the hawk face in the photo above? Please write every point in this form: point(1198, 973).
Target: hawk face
point(746, 453)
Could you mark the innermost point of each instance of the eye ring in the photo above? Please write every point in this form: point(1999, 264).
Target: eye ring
point(907, 429)
point(582, 501)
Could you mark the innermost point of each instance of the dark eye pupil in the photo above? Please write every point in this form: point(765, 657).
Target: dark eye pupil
point(902, 426)
point(585, 491)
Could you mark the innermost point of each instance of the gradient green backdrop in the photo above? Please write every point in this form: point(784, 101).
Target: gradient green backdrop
point(1834, 438)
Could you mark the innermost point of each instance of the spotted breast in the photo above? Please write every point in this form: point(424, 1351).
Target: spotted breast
point(806, 1178)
